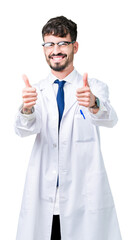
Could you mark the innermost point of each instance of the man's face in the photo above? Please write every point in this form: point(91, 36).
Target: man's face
point(59, 57)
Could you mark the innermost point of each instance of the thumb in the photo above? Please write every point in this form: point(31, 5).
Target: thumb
point(25, 78)
point(85, 80)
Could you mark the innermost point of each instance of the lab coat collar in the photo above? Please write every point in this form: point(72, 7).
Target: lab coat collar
point(69, 78)
point(51, 78)
point(70, 97)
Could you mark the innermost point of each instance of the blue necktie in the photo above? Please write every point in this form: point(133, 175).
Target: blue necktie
point(61, 104)
point(60, 98)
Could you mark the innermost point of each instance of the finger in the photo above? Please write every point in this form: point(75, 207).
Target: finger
point(28, 100)
point(84, 94)
point(25, 78)
point(83, 99)
point(28, 95)
point(29, 105)
point(29, 92)
point(83, 90)
point(85, 80)
point(85, 104)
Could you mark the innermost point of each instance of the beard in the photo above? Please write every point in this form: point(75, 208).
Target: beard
point(58, 66)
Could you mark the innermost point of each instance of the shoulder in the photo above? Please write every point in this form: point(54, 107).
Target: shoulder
point(99, 88)
point(92, 81)
point(41, 84)
point(95, 83)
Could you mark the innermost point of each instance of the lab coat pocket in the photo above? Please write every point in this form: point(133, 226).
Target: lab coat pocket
point(98, 194)
point(83, 129)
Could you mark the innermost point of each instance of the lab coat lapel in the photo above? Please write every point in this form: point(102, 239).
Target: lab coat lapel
point(48, 92)
point(70, 97)
point(70, 94)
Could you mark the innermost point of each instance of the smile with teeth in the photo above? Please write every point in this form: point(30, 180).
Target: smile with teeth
point(57, 58)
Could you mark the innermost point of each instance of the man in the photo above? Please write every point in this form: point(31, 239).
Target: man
point(67, 195)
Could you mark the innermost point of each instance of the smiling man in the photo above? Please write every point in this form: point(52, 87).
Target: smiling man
point(67, 194)
point(59, 61)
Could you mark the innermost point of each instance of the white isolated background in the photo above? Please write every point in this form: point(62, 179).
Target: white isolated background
point(107, 51)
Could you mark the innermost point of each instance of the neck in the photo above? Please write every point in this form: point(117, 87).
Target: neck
point(62, 74)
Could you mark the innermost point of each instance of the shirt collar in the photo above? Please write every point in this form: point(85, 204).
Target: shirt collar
point(69, 78)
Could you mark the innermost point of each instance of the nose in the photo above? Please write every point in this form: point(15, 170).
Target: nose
point(56, 49)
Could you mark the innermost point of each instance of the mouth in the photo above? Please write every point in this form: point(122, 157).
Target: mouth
point(57, 58)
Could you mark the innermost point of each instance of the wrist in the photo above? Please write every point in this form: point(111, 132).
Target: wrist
point(93, 110)
point(96, 104)
point(27, 110)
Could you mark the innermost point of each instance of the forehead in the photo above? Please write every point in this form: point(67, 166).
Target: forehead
point(55, 39)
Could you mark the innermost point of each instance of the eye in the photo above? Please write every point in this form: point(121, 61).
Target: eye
point(48, 44)
point(62, 43)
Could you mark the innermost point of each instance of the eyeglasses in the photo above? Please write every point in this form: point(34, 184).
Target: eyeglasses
point(60, 44)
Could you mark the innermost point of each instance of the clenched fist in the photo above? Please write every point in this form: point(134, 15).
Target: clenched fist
point(29, 95)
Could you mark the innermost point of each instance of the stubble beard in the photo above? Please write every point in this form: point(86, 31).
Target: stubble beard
point(57, 66)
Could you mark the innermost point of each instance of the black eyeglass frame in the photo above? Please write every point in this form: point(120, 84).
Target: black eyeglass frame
point(62, 43)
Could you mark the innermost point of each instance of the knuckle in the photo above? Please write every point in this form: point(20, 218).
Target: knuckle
point(24, 105)
point(23, 94)
point(24, 90)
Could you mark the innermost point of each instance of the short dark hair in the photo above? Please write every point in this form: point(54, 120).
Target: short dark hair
point(60, 26)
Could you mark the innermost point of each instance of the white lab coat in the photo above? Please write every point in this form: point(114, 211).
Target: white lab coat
point(87, 210)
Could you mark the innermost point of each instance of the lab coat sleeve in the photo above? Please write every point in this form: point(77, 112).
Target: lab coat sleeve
point(28, 124)
point(106, 116)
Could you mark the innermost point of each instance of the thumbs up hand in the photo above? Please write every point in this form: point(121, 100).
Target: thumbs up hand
point(29, 95)
point(84, 95)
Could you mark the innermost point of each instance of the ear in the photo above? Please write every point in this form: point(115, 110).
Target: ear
point(76, 47)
